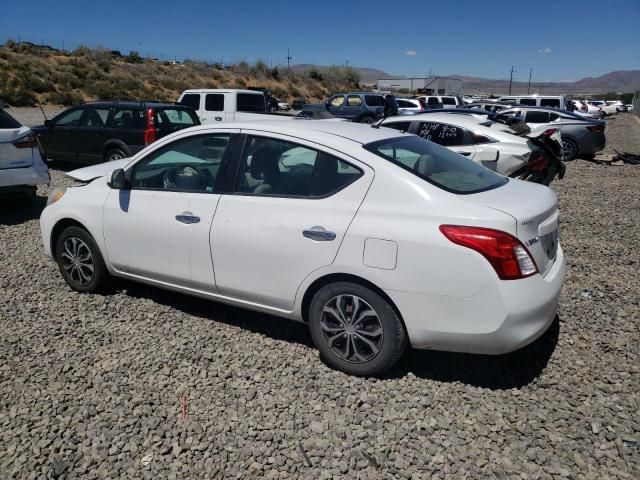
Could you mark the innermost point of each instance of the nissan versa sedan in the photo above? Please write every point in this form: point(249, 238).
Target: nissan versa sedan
point(373, 237)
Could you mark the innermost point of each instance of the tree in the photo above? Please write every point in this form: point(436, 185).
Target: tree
point(133, 57)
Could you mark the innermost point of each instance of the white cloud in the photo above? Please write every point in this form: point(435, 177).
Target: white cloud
point(411, 53)
point(544, 50)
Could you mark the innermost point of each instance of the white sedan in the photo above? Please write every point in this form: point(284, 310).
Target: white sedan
point(373, 237)
point(534, 156)
point(22, 167)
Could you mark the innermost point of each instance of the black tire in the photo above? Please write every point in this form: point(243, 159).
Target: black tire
point(114, 154)
point(389, 345)
point(570, 149)
point(367, 119)
point(73, 263)
point(273, 109)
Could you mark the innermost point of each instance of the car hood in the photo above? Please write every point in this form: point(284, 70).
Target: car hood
point(96, 171)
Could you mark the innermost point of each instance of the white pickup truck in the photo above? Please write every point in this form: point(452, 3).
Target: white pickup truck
point(228, 105)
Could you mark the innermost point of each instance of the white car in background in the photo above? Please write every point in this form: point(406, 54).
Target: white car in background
point(408, 106)
point(22, 166)
point(494, 145)
point(604, 107)
point(373, 237)
point(587, 110)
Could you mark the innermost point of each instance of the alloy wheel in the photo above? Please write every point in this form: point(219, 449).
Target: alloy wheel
point(352, 329)
point(77, 261)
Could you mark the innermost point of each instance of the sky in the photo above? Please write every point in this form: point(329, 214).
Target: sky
point(562, 40)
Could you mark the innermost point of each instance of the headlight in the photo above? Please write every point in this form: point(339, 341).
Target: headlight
point(55, 195)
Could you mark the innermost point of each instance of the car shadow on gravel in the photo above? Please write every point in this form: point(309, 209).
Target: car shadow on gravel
point(19, 209)
point(513, 370)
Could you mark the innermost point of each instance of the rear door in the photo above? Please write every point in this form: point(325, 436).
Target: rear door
point(214, 108)
point(92, 133)
point(291, 206)
point(127, 126)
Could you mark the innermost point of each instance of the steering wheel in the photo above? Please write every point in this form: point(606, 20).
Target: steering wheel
point(192, 178)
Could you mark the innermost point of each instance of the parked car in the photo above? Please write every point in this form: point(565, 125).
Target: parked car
point(361, 107)
point(103, 131)
point(215, 105)
point(604, 107)
point(536, 159)
point(283, 106)
point(447, 101)
point(430, 102)
point(551, 101)
point(316, 112)
point(580, 136)
point(22, 166)
point(373, 237)
point(409, 106)
point(583, 109)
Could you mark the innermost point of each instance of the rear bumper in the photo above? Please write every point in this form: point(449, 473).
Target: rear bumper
point(503, 317)
point(36, 174)
point(595, 143)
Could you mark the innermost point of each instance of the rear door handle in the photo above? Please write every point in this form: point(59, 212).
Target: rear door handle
point(466, 154)
point(319, 235)
point(187, 219)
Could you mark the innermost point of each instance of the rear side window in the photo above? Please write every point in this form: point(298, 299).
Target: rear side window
point(214, 102)
point(448, 101)
point(191, 100)
point(249, 102)
point(7, 121)
point(405, 104)
point(537, 117)
point(433, 101)
point(550, 102)
point(354, 100)
point(128, 118)
point(437, 165)
point(280, 168)
point(374, 100)
point(442, 134)
point(528, 101)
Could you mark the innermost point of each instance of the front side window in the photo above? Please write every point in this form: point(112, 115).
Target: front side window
point(550, 102)
point(442, 134)
point(70, 119)
point(374, 100)
point(280, 168)
point(354, 101)
point(337, 101)
point(128, 118)
point(437, 165)
point(191, 100)
point(251, 102)
point(95, 118)
point(537, 117)
point(189, 164)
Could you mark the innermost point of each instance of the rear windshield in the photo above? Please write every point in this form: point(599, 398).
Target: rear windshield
point(175, 118)
point(7, 121)
point(250, 102)
point(437, 165)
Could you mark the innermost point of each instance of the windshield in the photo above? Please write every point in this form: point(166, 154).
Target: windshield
point(437, 165)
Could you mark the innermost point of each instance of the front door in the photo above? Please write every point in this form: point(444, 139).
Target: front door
point(214, 108)
point(291, 206)
point(59, 140)
point(159, 228)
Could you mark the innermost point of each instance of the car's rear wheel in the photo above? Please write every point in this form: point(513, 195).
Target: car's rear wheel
point(114, 154)
point(355, 329)
point(569, 149)
point(80, 261)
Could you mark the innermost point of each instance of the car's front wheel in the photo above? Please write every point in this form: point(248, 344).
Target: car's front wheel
point(355, 329)
point(80, 261)
point(114, 154)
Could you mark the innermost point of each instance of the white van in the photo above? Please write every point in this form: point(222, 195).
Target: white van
point(550, 101)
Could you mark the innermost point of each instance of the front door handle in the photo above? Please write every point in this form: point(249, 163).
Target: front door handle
point(218, 119)
point(187, 219)
point(319, 234)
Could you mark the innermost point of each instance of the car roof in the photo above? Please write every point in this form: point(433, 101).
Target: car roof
point(131, 103)
point(355, 132)
point(466, 121)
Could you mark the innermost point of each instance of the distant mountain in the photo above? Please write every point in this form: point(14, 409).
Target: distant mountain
point(618, 81)
point(367, 75)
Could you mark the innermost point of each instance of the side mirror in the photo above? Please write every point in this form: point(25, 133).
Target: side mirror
point(48, 123)
point(118, 180)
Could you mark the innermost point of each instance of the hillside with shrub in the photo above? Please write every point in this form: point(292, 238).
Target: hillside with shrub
point(30, 74)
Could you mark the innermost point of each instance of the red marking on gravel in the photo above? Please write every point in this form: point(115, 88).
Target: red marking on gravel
point(184, 407)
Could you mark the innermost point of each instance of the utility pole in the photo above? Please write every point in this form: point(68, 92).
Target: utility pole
point(346, 63)
point(511, 79)
point(529, 87)
point(288, 59)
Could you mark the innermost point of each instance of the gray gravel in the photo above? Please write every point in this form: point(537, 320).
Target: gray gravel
point(93, 386)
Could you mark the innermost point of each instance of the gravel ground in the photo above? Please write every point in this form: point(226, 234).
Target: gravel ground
point(147, 384)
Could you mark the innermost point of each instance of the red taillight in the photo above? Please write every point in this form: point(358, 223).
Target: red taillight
point(550, 132)
point(538, 161)
point(28, 141)
point(506, 254)
point(150, 128)
point(596, 128)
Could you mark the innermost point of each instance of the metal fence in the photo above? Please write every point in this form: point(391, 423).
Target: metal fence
point(636, 103)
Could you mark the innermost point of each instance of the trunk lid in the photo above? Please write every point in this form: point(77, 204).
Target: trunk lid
point(10, 155)
point(534, 209)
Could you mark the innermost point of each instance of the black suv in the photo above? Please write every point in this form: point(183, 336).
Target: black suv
point(357, 106)
point(103, 131)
